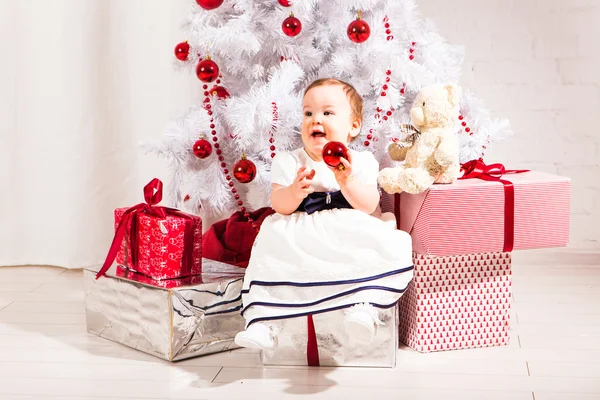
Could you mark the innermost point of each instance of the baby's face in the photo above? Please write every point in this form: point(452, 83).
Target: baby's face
point(327, 117)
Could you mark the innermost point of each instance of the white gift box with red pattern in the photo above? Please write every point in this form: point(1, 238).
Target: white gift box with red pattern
point(457, 302)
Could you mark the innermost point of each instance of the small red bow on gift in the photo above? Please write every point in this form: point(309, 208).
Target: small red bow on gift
point(153, 192)
point(493, 172)
point(478, 169)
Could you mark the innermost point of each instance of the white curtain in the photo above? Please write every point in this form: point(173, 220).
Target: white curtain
point(82, 82)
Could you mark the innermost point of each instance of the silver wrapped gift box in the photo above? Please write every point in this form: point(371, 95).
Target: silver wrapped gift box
point(333, 345)
point(171, 319)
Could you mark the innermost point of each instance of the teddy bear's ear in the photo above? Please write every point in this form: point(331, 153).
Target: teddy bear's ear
point(454, 93)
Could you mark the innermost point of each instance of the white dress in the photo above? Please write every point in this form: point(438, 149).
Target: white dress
point(305, 264)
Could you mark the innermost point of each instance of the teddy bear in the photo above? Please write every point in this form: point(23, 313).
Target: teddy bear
point(432, 152)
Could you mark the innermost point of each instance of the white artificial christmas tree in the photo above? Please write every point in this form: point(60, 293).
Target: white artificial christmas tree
point(252, 106)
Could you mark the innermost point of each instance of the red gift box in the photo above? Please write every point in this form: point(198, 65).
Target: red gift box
point(457, 302)
point(521, 211)
point(159, 242)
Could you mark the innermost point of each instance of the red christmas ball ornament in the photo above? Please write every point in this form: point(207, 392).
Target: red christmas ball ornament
point(332, 152)
point(358, 30)
point(291, 26)
point(220, 92)
point(182, 51)
point(209, 4)
point(202, 148)
point(207, 70)
point(285, 3)
point(244, 170)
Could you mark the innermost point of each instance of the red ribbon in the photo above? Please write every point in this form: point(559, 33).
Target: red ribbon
point(312, 347)
point(493, 172)
point(129, 224)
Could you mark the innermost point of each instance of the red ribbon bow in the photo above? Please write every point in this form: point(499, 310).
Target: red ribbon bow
point(129, 223)
point(493, 172)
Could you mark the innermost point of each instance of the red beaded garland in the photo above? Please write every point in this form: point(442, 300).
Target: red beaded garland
point(412, 50)
point(275, 114)
point(464, 125)
point(388, 31)
point(223, 164)
point(379, 110)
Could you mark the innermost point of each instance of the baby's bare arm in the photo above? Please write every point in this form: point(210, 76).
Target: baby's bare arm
point(361, 196)
point(286, 199)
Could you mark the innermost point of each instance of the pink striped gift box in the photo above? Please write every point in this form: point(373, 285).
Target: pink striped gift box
point(457, 302)
point(469, 216)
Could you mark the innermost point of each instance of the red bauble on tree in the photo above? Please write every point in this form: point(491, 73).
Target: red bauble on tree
point(244, 170)
point(285, 3)
point(333, 152)
point(358, 30)
point(182, 51)
point(207, 70)
point(220, 91)
point(291, 26)
point(209, 4)
point(202, 148)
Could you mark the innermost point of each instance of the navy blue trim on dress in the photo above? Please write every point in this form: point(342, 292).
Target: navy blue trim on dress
point(327, 283)
point(319, 201)
point(278, 317)
point(333, 297)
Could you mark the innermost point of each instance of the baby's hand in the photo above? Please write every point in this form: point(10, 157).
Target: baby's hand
point(344, 170)
point(301, 186)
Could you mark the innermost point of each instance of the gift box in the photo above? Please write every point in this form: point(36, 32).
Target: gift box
point(457, 302)
point(172, 319)
point(160, 247)
point(321, 340)
point(159, 242)
point(520, 211)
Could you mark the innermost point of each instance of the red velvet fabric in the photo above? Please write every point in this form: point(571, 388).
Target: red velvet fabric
point(230, 240)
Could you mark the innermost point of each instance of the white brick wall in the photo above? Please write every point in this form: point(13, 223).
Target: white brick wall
point(537, 62)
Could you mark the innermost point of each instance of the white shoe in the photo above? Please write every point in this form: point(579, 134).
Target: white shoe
point(360, 326)
point(256, 336)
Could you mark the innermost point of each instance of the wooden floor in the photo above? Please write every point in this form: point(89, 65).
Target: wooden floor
point(554, 353)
